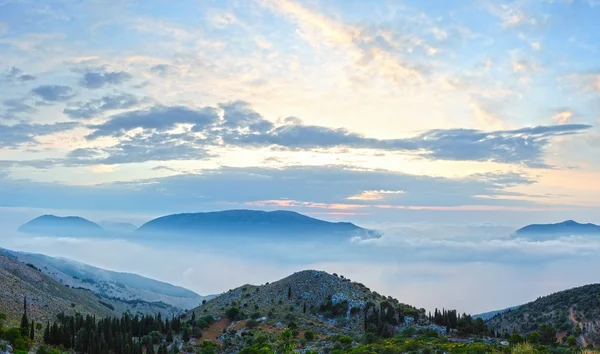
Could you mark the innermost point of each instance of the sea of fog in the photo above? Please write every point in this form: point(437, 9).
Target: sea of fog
point(471, 267)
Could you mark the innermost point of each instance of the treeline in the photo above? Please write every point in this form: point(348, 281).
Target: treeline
point(128, 335)
point(464, 324)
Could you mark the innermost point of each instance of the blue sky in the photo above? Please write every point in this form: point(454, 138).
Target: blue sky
point(445, 113)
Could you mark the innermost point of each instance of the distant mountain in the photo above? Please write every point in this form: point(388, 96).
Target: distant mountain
point(125, 286)
point(565, 311)
point(252, 222)
point(566, 228)
point(487, 315)
point(67, 226)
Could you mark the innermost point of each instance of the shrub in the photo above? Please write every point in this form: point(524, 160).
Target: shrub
point(252, 324)
point(309, 335)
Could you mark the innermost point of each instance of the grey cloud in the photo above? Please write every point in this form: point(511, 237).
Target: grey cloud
point(13, 135)
point(162, 69)
point(95, 107)
point(159, 118)
point(99, 79)
point(15, 74)
point(241, 186)
point(141, 148)
point(53, 93)
point(242, 126)
point(14, 107)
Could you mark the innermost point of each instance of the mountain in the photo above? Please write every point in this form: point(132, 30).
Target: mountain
point(67, 226)
point(549, 231)
point(252, 222)
point(127, 287)
point(45, 296)
point(565, 311)
point(311, 299)
point(487, 315)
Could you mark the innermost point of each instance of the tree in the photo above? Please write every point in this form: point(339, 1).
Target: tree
point(32, 332)
point(232, 313)
point(547, 334)
point(24, 320)
point(289, 292)
point(515, 339)
point(286, 344)
point(534, 338)
point(571, 341)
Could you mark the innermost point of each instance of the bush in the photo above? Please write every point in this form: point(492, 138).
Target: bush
point(232, 313)
point(252, 324)
point(309, 335)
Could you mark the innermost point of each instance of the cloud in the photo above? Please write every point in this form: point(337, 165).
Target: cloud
point(101, 78)
point(14, 107)
point(241, 126)
point(162, 69)
point(96, 107)
point(141, 148)
point(563, 117)
point(13, 135)
point(15, 74)
point(307, 188)
point(159, 118)
point(53, 93)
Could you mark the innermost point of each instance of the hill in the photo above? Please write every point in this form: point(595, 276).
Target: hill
point(65, 226)
point(565, 311)
point(116, 285)
point(278, 223)
point(309, 301)
point(549, 231)
point(46, 297)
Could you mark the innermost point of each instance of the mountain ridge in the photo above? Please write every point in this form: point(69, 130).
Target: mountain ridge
point(125, 286)
point(246, 221)
point(565, 228)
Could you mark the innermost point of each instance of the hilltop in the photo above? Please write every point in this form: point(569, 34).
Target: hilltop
point(64, 226)
point(565, 228)
point(309, 300)
point(278, 223)
point(164, 297)
point(565, 311)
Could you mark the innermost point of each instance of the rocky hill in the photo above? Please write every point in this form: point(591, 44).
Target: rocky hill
point(64, 226)
point(309, 300)
point(566, 311)
point(46, 297)
point(278, 223)
point(131, 288)
point(550, 231)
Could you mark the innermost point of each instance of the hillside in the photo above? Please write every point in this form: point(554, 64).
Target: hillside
point(309, 301)
point(565, 311)
point(64, 226)
point(487, 315)
point(252, 222)
point(46, 297)
point(117, 285)
point(549, 231)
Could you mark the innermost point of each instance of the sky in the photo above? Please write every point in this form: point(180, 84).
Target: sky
point(416, 117)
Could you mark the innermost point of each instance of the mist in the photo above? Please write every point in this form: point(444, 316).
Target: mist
point(470, 267)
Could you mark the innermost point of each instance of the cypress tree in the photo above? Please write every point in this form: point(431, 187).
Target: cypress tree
point(31, 333)
point(289, 292)
point(24, 320)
